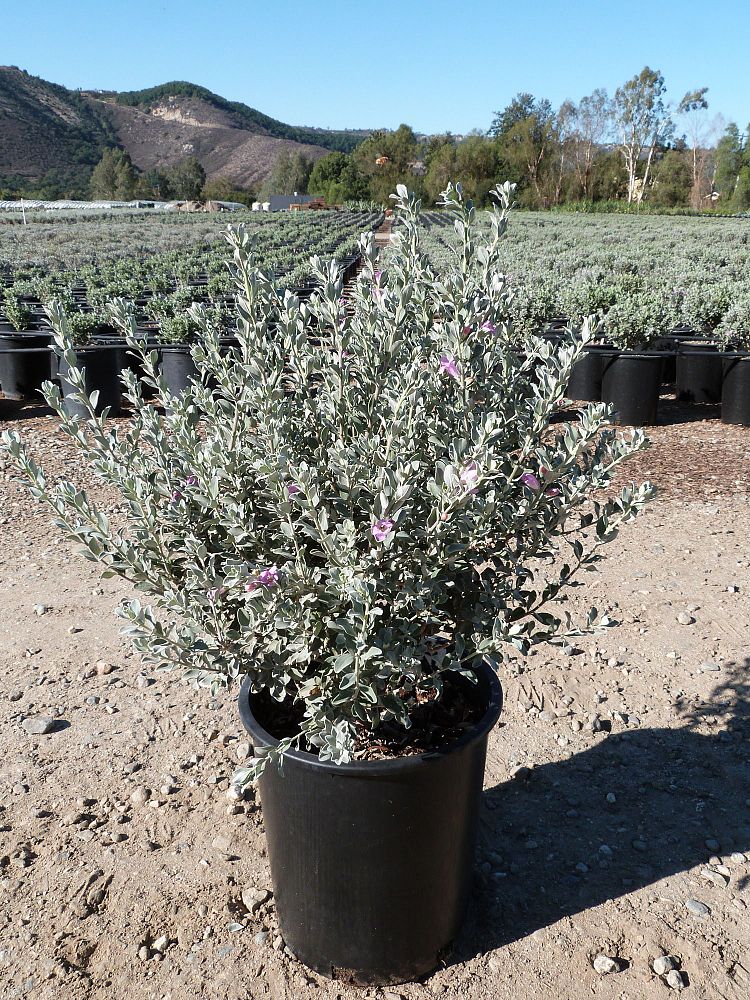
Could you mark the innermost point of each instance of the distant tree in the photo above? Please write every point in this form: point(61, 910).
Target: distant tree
point(522, 107)
point(592, 124)
point(441, 167)
point(673, 180)
point(386, 159)
point(114, 177)
point(290, 173)
point(728, 158)
point(337, 179)
point(477, 167)
point(186, 179)
point(701, 134)
point(644, 122)
point(222, 189)
point(526, 143)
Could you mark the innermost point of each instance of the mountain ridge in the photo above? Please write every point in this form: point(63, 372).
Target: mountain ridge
point(51, 137)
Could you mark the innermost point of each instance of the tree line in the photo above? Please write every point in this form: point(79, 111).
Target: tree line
point(633, 149)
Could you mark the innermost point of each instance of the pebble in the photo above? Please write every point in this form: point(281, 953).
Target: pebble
point(676, 980)
point(712, 845)
point(576, 725)
point(144, 953)
point(708, 668)
point(140, 795)
point(685, 619)
point(40, 609)
point(604, 965)
point(697, 908)
point(261, 937)
point(253, 898)
point(663, 964)
point(738, 858)
point(143, 681)
point(160, 944)
point(716, 878)
point(38, 725)
point(611, 798)
point(103, 668)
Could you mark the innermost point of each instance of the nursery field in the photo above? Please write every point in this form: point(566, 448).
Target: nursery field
point(616, 814)
point(648, 275)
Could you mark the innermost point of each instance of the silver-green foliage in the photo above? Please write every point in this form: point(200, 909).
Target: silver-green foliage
point(353, 503)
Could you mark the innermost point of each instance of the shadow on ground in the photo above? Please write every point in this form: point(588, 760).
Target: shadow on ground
point(674, 790)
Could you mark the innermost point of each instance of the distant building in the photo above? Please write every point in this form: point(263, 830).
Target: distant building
point(283, 202)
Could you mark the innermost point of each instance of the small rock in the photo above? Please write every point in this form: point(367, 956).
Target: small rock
point(716, 878)
point(738, 858)
point(143, 681)
point(697, 908)
point(38, 725)
point(40, 609)
point(708, 668)
point(611, 798)
point(685, 619)
point(576, 725)
point(261, 937)
point(606, 850)
point(604, 965)
point(663, 964)
point(253, 898)
point(103, 668)
point(143, 953)
point(139, 796)
point(222, 845)
point(160, 944)
point(676, 980)
point(712, 845)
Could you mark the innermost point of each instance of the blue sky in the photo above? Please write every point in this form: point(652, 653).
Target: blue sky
point(435, 65)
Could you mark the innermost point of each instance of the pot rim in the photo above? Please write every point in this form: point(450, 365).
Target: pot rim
point(375, 768)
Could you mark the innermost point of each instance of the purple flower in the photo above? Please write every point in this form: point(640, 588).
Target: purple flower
point(530, 480)
point(466, 331)
point(266, 578)
point(552, 491)
point(488, 327)
point(191, 481)
point(382, 529)
point(176, 497)
point(449, 365)
point(293, 489)
point(470, 477)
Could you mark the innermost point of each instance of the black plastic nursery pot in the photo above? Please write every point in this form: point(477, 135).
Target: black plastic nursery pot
point(177, 367)
point(586, 378)
point(101, 371)
point(24, 364)
point(372, 860)
point(631, 382)
point(699, 373)
point(735, 397)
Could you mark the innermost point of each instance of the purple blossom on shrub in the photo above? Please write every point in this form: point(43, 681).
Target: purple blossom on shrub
point(488, 327)
point(293, 489)
point(191, 481)
point(530, 480)
point(266, 578)
point(449, 365)
point(382, 529)
point(470, 477)
point(176, 497)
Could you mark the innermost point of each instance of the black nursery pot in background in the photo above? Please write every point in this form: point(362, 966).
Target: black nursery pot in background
point(101, 371)
point(586, 378)
point(631, 382)
point(699, 373)
point(24, 364)
point(735, 398)
point(372, 860)
point(177, 367)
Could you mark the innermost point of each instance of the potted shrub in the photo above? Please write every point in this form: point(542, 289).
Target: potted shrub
point(83, 364)
point(24, 351)
point(632, 370)
point(356, 513)
point(735, 340)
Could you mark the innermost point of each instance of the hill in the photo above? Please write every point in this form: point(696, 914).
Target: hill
point(51, 137)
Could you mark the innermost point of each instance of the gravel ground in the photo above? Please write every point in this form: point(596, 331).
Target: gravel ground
point(615, 827)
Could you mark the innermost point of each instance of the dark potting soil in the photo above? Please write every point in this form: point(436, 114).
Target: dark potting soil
point(436, 722)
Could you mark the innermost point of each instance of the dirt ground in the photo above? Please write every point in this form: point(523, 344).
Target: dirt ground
point(615, 821)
